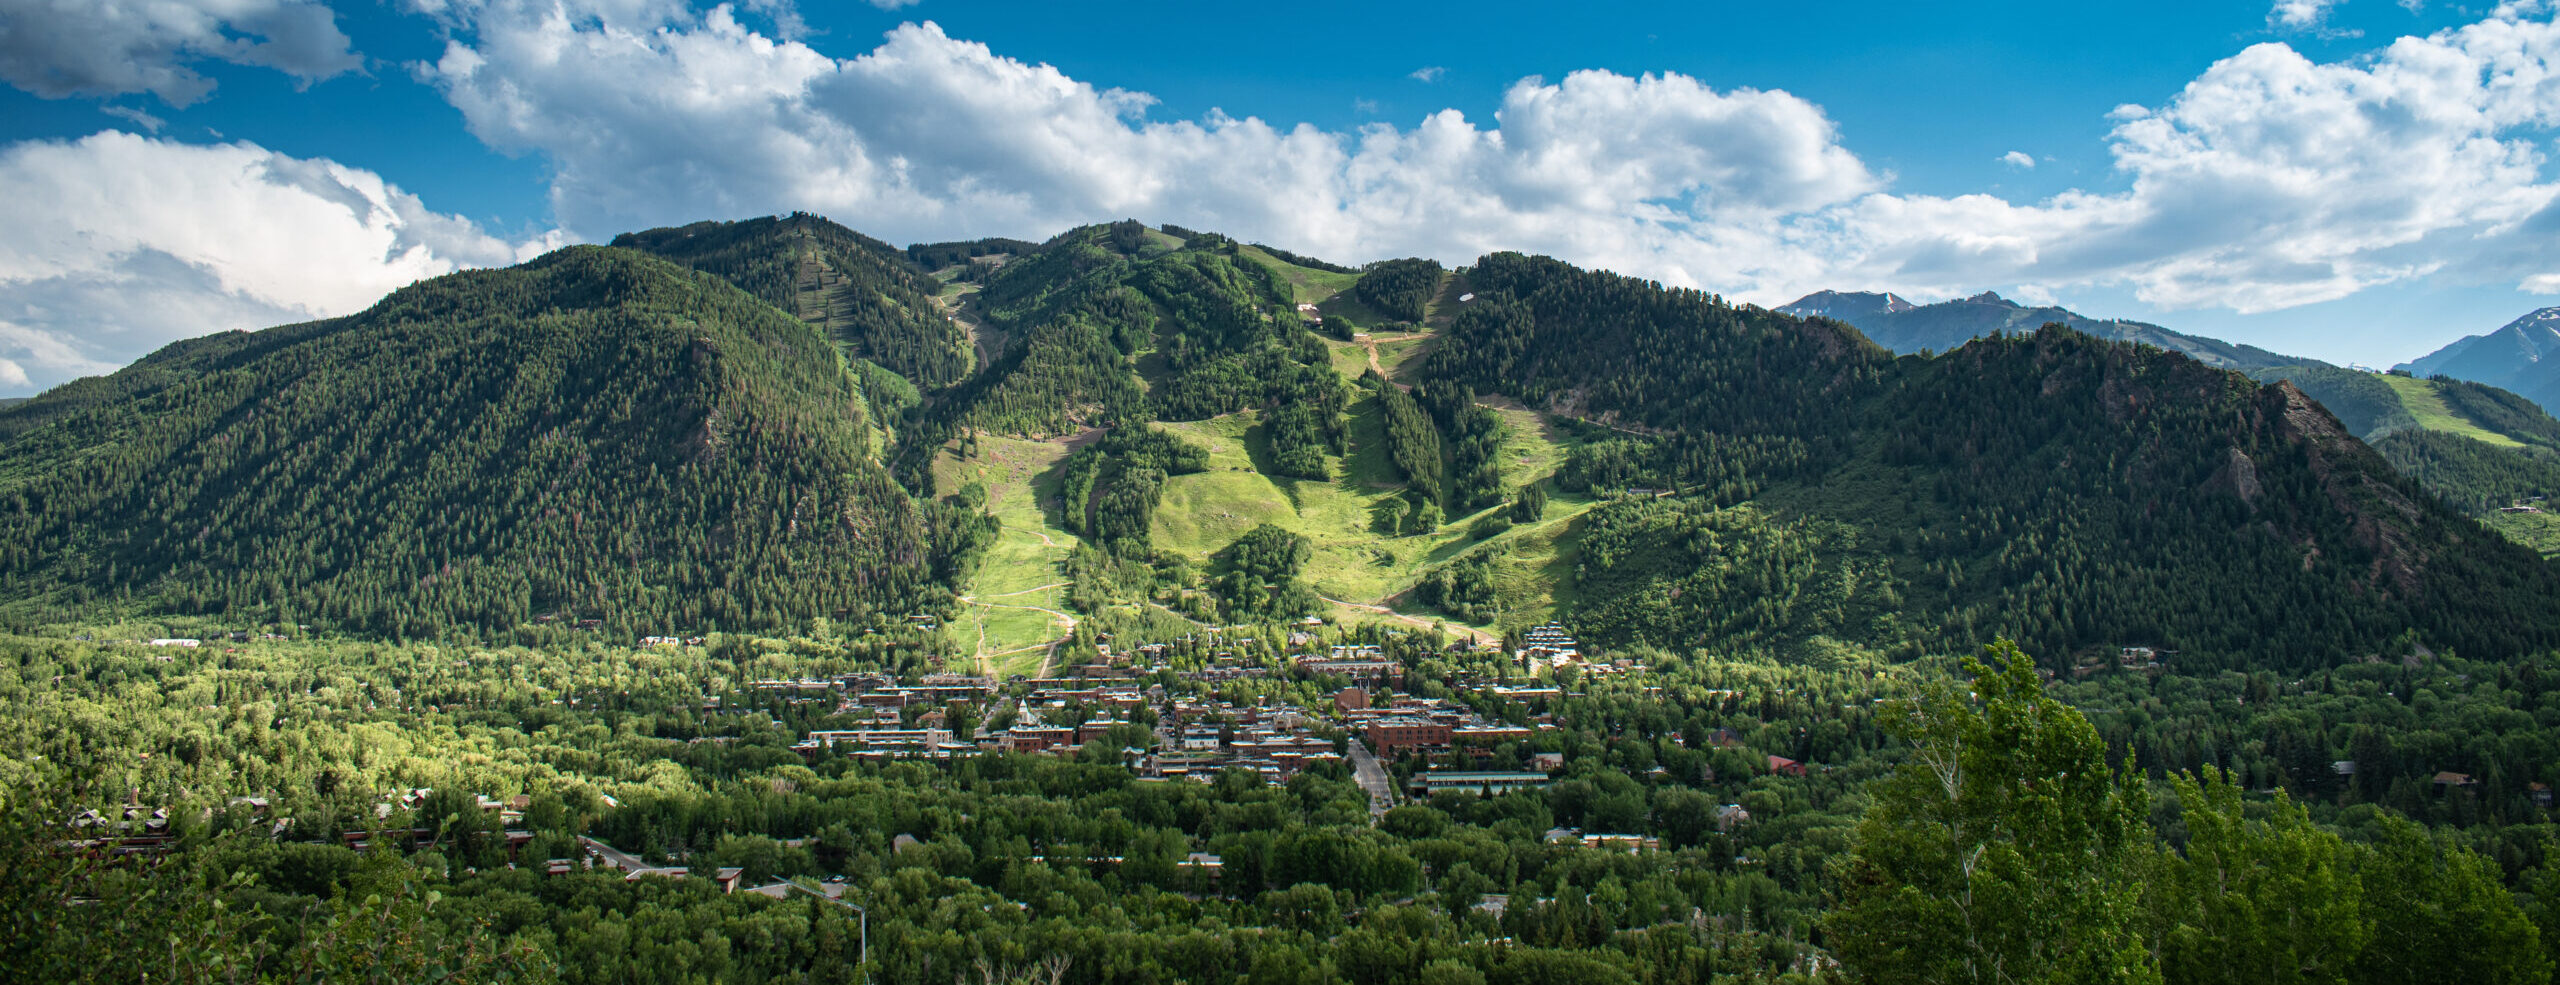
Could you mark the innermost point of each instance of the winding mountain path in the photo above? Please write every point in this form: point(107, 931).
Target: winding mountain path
point(1027, 591)
point(1048, 661)
point(1060, 616)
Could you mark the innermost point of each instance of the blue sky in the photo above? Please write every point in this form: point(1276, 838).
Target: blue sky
point(2356, 181)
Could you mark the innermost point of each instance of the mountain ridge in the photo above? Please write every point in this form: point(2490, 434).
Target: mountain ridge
point(2513, 358)
point(1552, 442)
point(859, 291)
point(593, 435)
point(1904, 327)
point(2026, 412)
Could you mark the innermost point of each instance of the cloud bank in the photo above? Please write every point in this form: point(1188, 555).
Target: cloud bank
point(2269, 181)
point(114, 245)
point(59, 48)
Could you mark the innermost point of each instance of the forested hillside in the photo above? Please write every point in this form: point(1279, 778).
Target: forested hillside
point(594, 436)
point(2069, 492)
point(2059, 489)
point(856, 289)
point(2481, 480)
point(2484, 451)
point(1120, 324)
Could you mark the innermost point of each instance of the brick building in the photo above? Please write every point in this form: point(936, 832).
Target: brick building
point(1387, 735)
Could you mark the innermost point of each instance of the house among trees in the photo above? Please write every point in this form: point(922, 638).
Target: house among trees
point(725, 877)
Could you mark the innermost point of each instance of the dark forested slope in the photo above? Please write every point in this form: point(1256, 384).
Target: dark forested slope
point(593, 435)
point(859, 290)
point(1625, 351)
point(1116, 324)
point(2483, 450)
point(2057, 488)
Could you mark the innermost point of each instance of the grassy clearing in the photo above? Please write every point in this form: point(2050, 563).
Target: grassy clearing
point(1400, 354)
point(1311, 286)
point(2539, 531)
point(1443, 307)
point(1159, 243)
point(2423, 403)
point(1021, 573)
point(1351, 562)
point(1533, 565)
point(1532, 562)
point(1204, 512)
point(1349, 358)
point(1533, 448)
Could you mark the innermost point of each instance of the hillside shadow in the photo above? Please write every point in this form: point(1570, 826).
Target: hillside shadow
point(1256, 439)
point(1367, 468)
point(1444, 306)
point(1047, 484)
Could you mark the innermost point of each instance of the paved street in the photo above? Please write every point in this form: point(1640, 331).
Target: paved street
point(615, 857)
point(1373, 778)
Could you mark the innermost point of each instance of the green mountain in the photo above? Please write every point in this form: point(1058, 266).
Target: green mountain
point(2515, 357)
point(596, 435)
point(2056, 488)
point(2418, 425)
point(855, 289)
point(1112, 325)
point(1796, 482)
point(603, 436)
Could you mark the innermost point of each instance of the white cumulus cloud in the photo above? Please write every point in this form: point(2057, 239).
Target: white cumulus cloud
point(2270, 180)
point(2300, 15)
point(59, 48)
point(665, 115)
point(2273, 180)
point(2018, 159)
point(114, 245)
